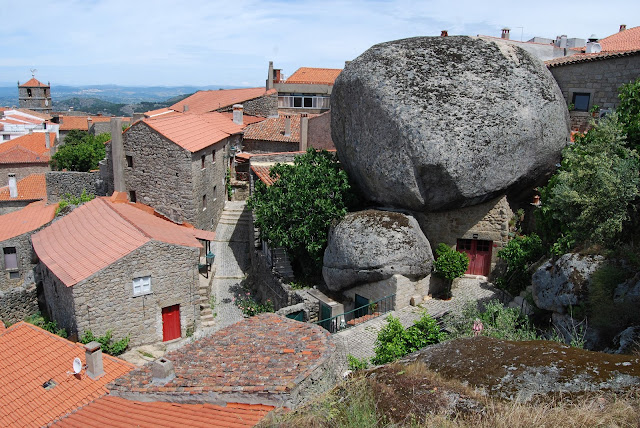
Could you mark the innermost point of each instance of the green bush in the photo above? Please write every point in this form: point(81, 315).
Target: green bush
point(394, 341)
point(109, 346)
point(629, 112)
point(250, 307)
point(39, 320)
point(449, 264)
point(520, 254)
point(68, 199)
point(601, 310)
point(357, 363)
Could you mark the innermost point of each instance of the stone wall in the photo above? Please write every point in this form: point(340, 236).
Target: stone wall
point(9, 206)
point(21, 170)
point(105, 301)
point(25, 255)
point(106, 170)
point(319, 135)
point(261, 146)
point(403, 288)
point(264, 106)
point(488, 221)
point(267, 285)
point(60, 183)
point(18, 303)
point(600, 78)
point(58, 300)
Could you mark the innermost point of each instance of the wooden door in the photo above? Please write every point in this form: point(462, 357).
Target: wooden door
point(171, 323)
point(479, 254)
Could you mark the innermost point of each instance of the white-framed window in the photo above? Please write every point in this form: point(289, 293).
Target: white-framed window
point(141, 285)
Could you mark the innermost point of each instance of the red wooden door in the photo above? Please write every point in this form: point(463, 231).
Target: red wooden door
point(479, 253)
point(171, 323)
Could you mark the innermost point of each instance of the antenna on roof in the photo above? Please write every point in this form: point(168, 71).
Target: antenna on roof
point(33, 72)
point(77, 366)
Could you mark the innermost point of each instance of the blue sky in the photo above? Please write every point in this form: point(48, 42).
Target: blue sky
point(200, 42)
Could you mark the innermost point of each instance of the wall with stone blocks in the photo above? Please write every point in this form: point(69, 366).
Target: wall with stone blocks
point(26, 257)
point(60, 183)
point(21, 170)
point(488, 221)
point(18, 303)
point(260, 146)
point(319, 134)
point(264, 106)
point(105, 301)
point(600, 78)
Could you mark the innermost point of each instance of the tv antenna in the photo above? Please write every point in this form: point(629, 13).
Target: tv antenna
point(33, 72)
point(77, 366)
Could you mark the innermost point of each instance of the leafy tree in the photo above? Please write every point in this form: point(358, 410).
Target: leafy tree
point(449, 264)
point(588, 199)
point(80, 152)
point(519, 254)
point(629, 112)
point(296, 211)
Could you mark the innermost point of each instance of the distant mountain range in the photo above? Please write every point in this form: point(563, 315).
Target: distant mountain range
point(112, 99)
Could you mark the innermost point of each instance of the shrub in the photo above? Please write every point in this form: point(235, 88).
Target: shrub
point(39, 320)
point(520, 254)
point(601, 310)
point(250, 307)
point(68, 199)
point(357, 363)
point(394, 341)
point(449, 264)
point(109, 346)
point(629, 112)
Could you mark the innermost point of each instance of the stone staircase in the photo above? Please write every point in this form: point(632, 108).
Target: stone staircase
point(235, 214)
point(207, 317)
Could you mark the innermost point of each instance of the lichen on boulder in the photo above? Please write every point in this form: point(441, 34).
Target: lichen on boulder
point(373, 245)
point(436, 123)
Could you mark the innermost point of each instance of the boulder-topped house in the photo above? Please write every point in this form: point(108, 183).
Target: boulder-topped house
point(112, 265)
point(18, 295)
point(176, 163)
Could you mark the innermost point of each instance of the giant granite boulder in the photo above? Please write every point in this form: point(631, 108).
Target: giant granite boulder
point(371, 245)
point(434, 123)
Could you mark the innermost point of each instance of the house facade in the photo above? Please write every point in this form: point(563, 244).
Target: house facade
point(116, 266)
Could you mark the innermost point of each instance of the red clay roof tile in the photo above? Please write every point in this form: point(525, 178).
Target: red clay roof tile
point(31, 217)
point(263, 174)
point(272, 129)
point(309, 75)
point(206, 101)
point(34, 143)
point(622, 41)
point(33, 82)
point(585, 57)
point(31, 188)
point(30, 356)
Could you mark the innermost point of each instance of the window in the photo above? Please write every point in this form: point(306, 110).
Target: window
point(10, 258)
point(6, 137)
point(213, 156)
point(215, 192)
point(129, 161)
point(202, 159)
point(141, 285)
point(132, 196)
point(581, 101)
point(29, 93)
point(204, 202)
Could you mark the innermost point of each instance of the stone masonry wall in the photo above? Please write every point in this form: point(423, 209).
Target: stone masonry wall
point(18, 303)
point(264, 106)
point(599, 78)
point(24, 250)
point(319, 134)
point(58, 300)
point(60, 183)
point(489, 221)
point(106, 170)
point(21, 170)
point(261, 146)
point(161, 174)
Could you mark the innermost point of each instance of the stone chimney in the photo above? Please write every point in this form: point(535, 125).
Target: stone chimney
point(47, 140)
point(623, 27)
point(287, 125)
point(270, 76)
point(185, 108)
point(13, 186)
point(117, 154)
point(93, 357)
point(237, 114)
point(505, 33)
point(136, 117)
point(304, 132)
point(444, 33)
point(89, 123)
point(561, 41)
point(162, 371)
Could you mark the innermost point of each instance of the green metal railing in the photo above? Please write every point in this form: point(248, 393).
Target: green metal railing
point(358, 315)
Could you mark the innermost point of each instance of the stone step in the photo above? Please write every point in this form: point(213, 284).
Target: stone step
point(205, 312)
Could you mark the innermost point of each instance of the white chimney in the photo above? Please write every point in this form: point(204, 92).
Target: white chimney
point(593, 47)
point(47, 140)
point(13, 186)
point(93, 357)
point(505, 33)
point(185, 108)
point(89, 123)
point(287, 125)
point(237, 114)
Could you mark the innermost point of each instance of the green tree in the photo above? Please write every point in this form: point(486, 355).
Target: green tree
point(295, 212)
point(80, 151)
point(587, 201)
point(629, 112)
point(449, 264)
point(519, 254)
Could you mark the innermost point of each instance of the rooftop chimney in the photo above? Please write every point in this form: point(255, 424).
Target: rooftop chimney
point(89, 123)
point(592, 38)
point(93, 357)
point(13, 186)
point(593, 47)
point(162, 371)
point(117, 154)
point(304, 132)
point(185, 108)
point(287, 125)
point(237, 114)
point(505, 33)
point(623, 27)
point(444, 33)
point(47, 140)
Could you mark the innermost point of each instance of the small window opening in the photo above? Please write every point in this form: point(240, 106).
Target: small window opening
point(130, 161)
point(202, 160)
point(204, 202)
point(132, 196)
point(29, 92)
point(213, 156)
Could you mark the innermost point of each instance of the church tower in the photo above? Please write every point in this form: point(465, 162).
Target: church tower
point(35, 95)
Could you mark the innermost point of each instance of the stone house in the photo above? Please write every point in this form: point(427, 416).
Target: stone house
point(18, 297)
point(111, 265)
point(35, 95)
point(19, 194)
point(26, 155)
point(256, 102)
point(177, 163)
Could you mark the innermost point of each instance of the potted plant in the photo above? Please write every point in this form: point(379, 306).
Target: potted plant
point(594, 110)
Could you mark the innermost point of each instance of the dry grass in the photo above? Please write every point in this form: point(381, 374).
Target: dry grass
point(366, 402)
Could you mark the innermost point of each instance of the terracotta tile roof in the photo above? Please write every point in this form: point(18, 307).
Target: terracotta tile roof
point(19, 119)
point(31, 217)
point(309, 75)
point(206, 101)
point(30, 356)
point(114, 229)
point(26, 148)
point(246, 119)
point(82, 122)
point(194, 132)
point(116, 411)
point(264, 354)
point(622, 41)
point(33, 82)
point(584, 57)
point(263, 174)
point(158, 112)
point(272, 129)
point(31, 188)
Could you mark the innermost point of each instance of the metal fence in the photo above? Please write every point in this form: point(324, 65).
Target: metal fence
point(358, 315)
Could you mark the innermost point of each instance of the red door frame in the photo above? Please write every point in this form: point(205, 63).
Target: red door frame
point(171, 323)
point(479, 253)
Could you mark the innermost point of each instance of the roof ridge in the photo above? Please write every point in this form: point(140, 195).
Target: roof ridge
point(145, 234)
